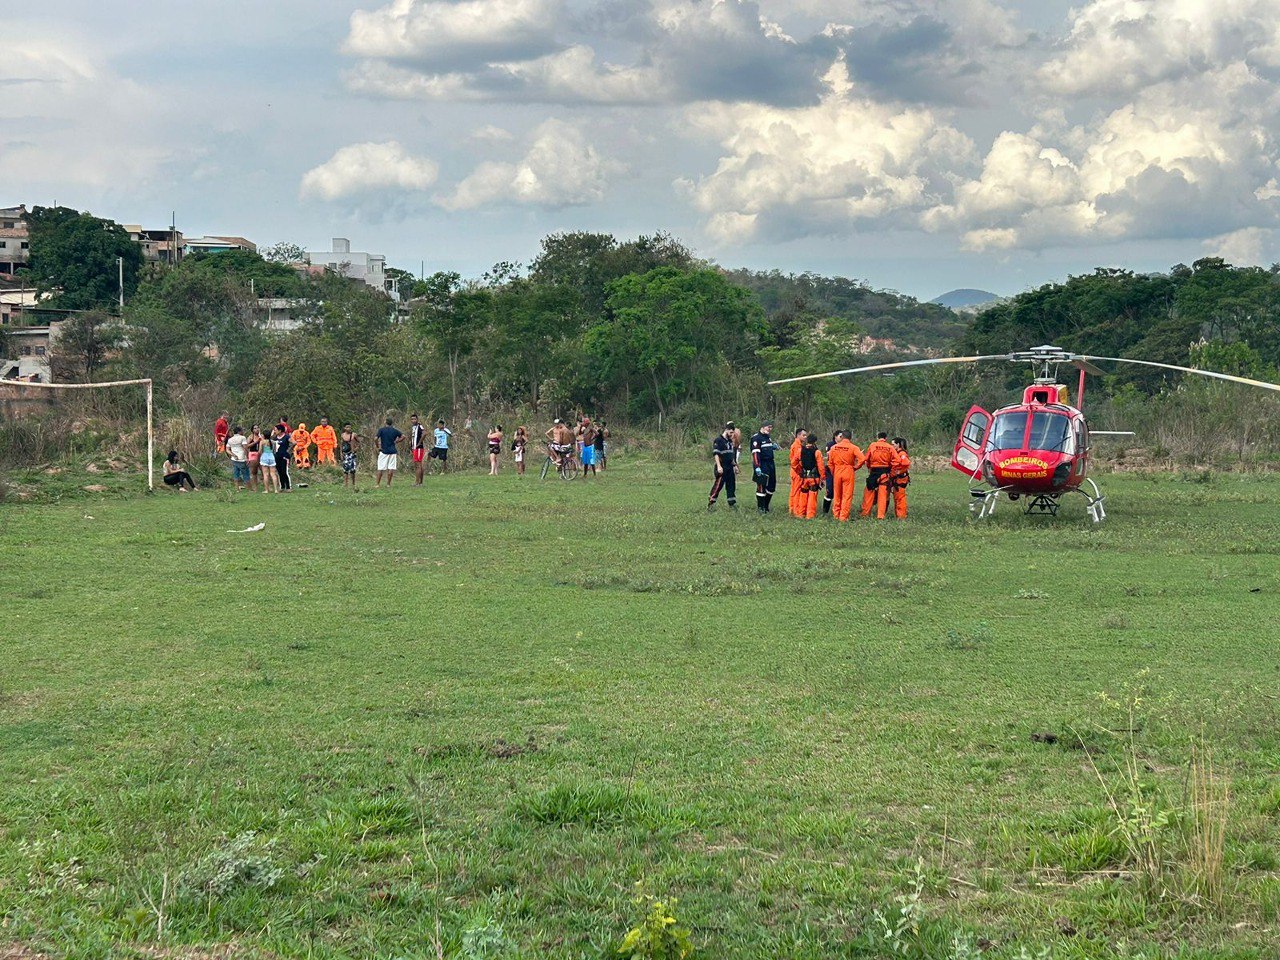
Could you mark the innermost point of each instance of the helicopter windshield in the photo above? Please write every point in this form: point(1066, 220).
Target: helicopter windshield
point(1008, 431)
point(1049, 431)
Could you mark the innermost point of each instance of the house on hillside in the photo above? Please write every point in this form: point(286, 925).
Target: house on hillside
point(368, 268)
point(282, 314)
point(15, 301)
point(194, 245)
point(29, 349)
point(158, 246)
point(15, 244)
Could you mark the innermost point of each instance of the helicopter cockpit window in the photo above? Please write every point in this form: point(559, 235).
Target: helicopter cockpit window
point(1009, 431)
point(1050, 431)
point(975, 429)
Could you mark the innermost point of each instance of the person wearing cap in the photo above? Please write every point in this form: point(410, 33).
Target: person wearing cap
point(796, 497)
point(764, 471)
point(724, 465)
point(559, 441)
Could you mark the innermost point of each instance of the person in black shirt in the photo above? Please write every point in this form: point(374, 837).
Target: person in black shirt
point(724, 461)
point(282, 443)
point(418, 446)
point(763, 471)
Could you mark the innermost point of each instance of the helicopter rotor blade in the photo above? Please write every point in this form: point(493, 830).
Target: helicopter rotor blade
point(1083, 364)
point(1201, 373)
point(890, 366)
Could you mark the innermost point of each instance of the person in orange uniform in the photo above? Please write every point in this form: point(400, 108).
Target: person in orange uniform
point(796, 499)
point(899, 477)
point(880, 456)
point(812, 474)
point(301, 451)
point(843, 460)
point(326, 441)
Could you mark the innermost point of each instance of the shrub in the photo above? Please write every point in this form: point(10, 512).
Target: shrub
point(658, 935)
point(242, 861)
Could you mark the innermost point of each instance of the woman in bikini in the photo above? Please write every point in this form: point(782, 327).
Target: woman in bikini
point(495, 449)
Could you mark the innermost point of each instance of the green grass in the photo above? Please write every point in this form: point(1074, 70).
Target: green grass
point(396, 720)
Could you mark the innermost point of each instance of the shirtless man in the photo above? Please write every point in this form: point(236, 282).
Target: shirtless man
point(587, 438)
point(560, 441)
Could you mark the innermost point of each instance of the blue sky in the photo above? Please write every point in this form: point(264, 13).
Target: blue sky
point(916, 144)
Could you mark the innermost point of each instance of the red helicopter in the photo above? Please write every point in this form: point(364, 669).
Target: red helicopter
point(1039, 448)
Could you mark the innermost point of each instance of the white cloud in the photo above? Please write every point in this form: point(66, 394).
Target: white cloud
point(1251, 246)
point(368, 168)
point(822, 169)
point(1118, 47)
point(435, 33)
point(560, 169)
point(523, 51)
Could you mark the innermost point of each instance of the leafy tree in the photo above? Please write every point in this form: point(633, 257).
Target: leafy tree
point(668, 328)
point(83, 344)
point(452, 317)
point(284, 252)
point(353, 315)
point(306, 375)
point(532, 321)
point(78, 256)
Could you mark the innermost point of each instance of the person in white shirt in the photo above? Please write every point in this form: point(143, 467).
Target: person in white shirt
point(238, 450)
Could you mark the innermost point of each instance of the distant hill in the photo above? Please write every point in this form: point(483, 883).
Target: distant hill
point(893, 322)
point(965, 298)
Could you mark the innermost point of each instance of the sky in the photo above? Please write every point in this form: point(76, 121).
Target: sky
point(919, 145)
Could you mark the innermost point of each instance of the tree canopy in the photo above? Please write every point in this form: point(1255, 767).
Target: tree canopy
point(80, 258)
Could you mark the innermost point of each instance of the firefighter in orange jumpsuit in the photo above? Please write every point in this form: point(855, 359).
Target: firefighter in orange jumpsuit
point(813, 473)
point(301, 443)
point(796, 498)
point(900, 477)
point(326, 441)
point(843, 460)
point(880, 456)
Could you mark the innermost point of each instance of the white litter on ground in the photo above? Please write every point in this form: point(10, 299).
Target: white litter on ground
point(253, 529)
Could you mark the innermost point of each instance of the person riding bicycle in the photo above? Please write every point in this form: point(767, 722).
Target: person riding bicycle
point(560, 441)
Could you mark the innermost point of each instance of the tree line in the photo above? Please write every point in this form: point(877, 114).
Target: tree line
point(639, 329)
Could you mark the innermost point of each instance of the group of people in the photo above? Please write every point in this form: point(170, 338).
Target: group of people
point(262, 461)
point(589, 440)
point(829, 471)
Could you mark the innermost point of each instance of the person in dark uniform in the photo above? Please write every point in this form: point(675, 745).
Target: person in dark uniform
point(724, 459)
point(763, 470)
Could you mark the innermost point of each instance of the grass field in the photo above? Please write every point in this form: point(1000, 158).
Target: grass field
point(465, 720)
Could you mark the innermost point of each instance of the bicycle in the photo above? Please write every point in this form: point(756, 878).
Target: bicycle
point(567, 467)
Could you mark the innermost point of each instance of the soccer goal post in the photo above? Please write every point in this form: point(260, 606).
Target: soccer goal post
point(26, 385)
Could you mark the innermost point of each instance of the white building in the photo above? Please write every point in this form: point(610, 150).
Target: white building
point(368, 268)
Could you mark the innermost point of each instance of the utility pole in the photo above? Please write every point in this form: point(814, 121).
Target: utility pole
point(120, 265)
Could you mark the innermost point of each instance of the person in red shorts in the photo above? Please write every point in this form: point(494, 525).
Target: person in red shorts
point(418, 445)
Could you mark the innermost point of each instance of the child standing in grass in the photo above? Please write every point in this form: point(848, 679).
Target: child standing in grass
point(518, 445)
point(349, 441)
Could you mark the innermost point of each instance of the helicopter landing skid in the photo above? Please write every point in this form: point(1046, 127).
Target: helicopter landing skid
point(1043, 504)
point(985, 499)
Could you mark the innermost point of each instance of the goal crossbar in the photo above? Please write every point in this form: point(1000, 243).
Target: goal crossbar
point(94, 386)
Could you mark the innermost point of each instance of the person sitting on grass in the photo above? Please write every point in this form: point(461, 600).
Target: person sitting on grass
point(174, 475)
